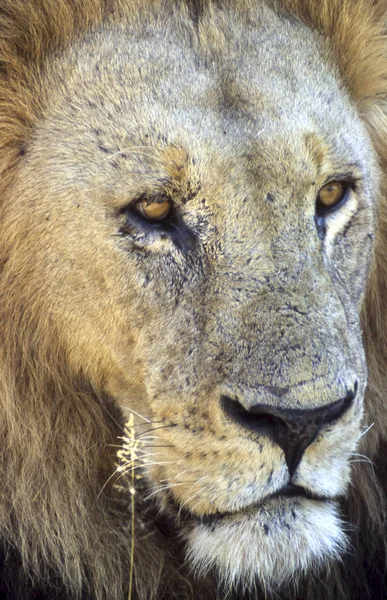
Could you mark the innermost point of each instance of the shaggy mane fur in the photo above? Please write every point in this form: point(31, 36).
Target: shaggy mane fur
point(54, 429)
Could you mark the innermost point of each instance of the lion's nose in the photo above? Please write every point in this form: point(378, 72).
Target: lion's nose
point(292, 429)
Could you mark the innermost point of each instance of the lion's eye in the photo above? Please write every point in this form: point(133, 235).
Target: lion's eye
point(331, 195)
point(155, 210)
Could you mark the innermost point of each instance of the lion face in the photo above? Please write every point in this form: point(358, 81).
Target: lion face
point(205, 222)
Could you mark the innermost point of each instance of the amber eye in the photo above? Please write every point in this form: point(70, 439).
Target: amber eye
point(155, 210)
point(331, 195)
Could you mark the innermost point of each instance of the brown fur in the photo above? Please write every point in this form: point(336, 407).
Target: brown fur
point(55, 424)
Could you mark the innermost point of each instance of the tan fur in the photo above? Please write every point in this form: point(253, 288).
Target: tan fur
point(88, 335)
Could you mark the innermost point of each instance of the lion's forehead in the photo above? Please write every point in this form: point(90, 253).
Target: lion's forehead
point(230, 98)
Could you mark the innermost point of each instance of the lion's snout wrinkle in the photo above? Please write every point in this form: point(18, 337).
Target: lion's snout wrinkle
point(292, 429)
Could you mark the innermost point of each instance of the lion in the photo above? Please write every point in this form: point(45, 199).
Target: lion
point(193, 242)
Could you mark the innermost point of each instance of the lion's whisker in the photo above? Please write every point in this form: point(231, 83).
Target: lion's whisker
point(155, 429)
point(184, 504)
point(163, 488)
point(115, 472)
point(367, 462)
point(143, 463)
point(135, 425)
point(366, 458)
point(136, 413)
point(366, 431)
point(178, 476)
point(105, 408)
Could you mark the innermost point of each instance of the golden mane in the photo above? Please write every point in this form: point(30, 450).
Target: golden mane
point(51, 454)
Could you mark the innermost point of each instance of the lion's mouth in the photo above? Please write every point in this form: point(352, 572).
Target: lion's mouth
point(296, 491)
point(287, 491)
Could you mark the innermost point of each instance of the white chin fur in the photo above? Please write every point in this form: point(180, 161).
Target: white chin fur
point(273, 545)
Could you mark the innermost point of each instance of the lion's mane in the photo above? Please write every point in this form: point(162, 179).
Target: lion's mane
point(56, 524)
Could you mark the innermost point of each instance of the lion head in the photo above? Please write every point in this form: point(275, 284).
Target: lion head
point(192, 236)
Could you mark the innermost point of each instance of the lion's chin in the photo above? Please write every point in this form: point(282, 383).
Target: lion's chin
point(273, 544)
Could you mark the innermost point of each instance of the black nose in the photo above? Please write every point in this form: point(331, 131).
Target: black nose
point(292, 429)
